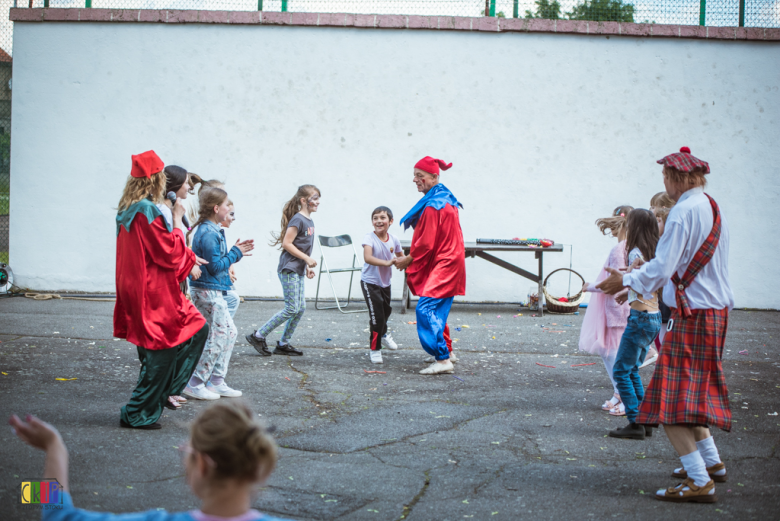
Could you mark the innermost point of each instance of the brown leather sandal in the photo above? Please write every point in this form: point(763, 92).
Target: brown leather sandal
point(693, 494)
point(682, 474)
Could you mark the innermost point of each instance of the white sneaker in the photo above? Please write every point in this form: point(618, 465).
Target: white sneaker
point(376, 357)
point(223, 390)
point(453, 359)
point(388, 342)
point(200, 393)
point(437, 368)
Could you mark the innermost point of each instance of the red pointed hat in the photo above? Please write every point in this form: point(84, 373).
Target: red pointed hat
point(146, 164)
point(683, 161)
point(431, 165)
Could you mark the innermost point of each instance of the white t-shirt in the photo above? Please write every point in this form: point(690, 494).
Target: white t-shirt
point(380, 275)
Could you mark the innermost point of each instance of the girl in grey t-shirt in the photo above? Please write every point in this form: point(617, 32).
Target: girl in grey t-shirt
point(296, 239)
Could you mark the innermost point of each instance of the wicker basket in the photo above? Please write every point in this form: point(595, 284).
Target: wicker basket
point(556, 306)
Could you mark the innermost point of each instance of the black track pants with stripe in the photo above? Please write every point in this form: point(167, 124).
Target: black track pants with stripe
point(378, 301)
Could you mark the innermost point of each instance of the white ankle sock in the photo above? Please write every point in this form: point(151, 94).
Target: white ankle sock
point(709, 452)
point(258, 335)
point(216, 381)
point(694, 465)
point(195, 382)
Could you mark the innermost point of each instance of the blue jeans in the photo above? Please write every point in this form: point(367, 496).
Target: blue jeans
point(294, 306)
point(432, 314)
point(641, 330)
point(232, 299)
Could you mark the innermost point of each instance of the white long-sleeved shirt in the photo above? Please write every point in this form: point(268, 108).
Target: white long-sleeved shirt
point(687, 227)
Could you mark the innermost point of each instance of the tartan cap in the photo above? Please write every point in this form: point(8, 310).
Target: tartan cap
point(683, 161)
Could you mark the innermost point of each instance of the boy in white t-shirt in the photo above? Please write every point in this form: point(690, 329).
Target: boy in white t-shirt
point(380, 252)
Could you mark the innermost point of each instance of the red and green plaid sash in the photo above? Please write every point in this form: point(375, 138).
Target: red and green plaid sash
point(700, 260)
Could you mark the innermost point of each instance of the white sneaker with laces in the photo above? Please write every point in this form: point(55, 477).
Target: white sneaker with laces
point(376, 357)
point(223, 390)
point(437, 368)
point(200, 393)
point(388, 342)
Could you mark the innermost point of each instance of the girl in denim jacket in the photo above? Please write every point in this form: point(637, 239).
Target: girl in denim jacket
point(208, 294)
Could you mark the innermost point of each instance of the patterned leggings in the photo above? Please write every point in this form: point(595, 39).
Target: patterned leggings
point(294, 306)
point(222, 334)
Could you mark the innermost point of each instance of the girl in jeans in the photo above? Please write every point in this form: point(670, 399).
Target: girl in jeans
point(644, 323)
point(297, 241)
point(208, 294)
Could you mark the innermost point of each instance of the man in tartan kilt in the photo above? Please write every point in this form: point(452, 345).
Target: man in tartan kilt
point(687, 392)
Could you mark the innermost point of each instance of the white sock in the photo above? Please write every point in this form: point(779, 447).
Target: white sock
point(258, 335)
point(216, 381)
point(195, 382)
point(693, 463)
point(709, 452)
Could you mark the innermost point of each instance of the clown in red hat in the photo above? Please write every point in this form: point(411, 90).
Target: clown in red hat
point(436, 264)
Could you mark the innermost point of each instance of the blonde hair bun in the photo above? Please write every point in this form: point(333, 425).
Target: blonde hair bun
point(230, 434)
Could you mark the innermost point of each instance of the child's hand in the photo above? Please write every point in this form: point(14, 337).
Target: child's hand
point(391, 262)
point(585, 287)
point(199, 261)
point(36, 433)
point(634, 265)
point(246, 246)
point(232, 273)
point(309, 274)
point(621, 298)
point(311, 263)
point(195, 272)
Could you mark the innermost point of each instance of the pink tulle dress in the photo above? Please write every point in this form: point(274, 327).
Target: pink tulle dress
point(605, 319)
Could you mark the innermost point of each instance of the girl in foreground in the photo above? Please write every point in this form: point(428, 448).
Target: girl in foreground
point(228, 456)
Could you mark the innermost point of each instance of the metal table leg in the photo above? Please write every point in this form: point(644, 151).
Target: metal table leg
point(538, 255)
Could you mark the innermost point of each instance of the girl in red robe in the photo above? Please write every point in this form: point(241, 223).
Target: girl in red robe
point(151, 312)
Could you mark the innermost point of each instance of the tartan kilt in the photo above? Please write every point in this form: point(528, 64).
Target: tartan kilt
point(688, 385)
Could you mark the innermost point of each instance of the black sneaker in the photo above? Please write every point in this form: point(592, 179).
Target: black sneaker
point(259, 344)
point(648, 431)
point(632, 431)
point(287, 350)
point(152, 427)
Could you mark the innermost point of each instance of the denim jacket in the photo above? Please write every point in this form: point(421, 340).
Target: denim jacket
point(209, 244)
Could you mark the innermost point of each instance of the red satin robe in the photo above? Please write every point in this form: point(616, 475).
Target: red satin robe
point(151, 311)
point(439, 266)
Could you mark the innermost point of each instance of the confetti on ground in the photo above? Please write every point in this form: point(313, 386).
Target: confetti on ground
point(328, 339)
point(287, 378)
point(377, 372)
point(412, 323)
point(457, 329)
point(464, 381)
point(550, 366)
point(581, 365)
point(65, 379)
point(745, 352)
point(464, 325)
point(5, 374)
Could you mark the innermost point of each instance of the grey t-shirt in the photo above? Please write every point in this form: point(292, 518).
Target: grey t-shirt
point(304, 241)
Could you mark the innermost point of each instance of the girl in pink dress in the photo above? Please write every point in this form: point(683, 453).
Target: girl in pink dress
point(607, 315)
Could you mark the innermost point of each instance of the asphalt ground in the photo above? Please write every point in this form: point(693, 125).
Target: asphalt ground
point(504, 438)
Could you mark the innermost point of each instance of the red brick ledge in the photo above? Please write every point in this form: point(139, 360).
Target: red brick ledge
point(446, 23)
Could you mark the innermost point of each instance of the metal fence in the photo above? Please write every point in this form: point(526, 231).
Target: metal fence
point(730, 13)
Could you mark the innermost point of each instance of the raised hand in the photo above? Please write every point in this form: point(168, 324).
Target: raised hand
point(246, 246)
point(34, 432)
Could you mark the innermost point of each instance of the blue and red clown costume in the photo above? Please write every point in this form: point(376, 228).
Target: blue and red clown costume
point(438, 270)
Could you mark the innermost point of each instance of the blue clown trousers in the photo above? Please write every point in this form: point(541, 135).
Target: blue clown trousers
point(432, 314)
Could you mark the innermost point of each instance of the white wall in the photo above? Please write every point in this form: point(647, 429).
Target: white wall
point(547, 133)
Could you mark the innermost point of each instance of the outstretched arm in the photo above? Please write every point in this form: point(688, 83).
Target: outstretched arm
point(42, 436)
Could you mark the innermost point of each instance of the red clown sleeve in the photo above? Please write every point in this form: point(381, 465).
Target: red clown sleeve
point(167, 249)
point(423, 250)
